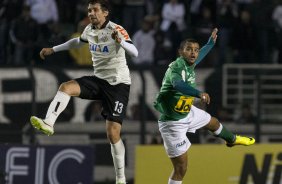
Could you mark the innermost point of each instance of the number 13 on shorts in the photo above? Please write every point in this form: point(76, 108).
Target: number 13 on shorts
point(118, 107)
point(184, 104)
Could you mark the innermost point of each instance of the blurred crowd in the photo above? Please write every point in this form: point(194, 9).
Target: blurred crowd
point(250, 31)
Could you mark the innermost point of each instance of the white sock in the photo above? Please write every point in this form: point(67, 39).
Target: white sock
point(217, 132)
point(170, 181)
point(57, 106)
point(118, 153)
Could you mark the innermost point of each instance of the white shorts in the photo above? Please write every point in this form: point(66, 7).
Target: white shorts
point(173, 133)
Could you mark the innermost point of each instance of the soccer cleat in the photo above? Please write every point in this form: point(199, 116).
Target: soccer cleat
point(41, 125)
point(242, 140)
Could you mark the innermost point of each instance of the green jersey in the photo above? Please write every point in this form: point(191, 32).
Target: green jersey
point(170, 102)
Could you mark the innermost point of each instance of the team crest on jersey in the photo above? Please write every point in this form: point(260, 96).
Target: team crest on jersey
point(104, 38)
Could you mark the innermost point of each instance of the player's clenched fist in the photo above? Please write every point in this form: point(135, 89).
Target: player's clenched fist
point(115, 36)
point(205, 98)
point(46, 52)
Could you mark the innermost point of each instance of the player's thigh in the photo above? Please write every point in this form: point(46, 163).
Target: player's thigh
point(115, 100)
point(198, 118)
point(174, 136)
point(71, 88)
point(90, 87)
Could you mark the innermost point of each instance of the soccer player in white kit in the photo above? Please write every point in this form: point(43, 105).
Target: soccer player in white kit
point(110, 82)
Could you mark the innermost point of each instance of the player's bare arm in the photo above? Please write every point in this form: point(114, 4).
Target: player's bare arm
point(46, 52)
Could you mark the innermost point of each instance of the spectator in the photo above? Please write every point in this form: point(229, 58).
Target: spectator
point(24, 33)
point(195, 9)
point(204, 25)
point(9, 10)
point(133, 13)
point(227, 14)
point(173, 12)
point(244, 39)
point(173, 23)
point(162, 51)
point(43, 11)
point(144, 41)
point(203, 28)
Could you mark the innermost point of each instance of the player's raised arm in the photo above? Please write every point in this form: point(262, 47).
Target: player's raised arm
point(70, 44)
point(206, 48)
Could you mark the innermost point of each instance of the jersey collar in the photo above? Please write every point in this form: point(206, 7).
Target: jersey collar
point(183, 60)
point(103, 26)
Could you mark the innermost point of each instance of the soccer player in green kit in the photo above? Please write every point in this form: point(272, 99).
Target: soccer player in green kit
point(179, 115)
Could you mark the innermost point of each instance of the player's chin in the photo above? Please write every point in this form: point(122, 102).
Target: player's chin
point(191, 61)
point(94, 21)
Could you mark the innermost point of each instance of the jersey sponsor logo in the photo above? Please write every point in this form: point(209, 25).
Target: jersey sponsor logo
point(98, 48)
point(180, 144)
point(184, 104)
point(122, 32)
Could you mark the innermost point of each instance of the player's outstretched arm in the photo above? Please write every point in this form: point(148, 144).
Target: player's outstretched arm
point(206, 48)
point(70, 44)
point(46, 52)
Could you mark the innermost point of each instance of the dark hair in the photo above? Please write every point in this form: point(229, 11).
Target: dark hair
point(105, 5)
point(185, 42)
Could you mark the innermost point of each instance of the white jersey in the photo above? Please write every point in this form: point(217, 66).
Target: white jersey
point(108, 57)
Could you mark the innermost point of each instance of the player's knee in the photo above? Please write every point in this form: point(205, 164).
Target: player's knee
point(113, 136)
point(64, 87)
point(213, 125)
point(71, 88)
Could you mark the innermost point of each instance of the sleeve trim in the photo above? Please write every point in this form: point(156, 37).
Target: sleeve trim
point(83, 40)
